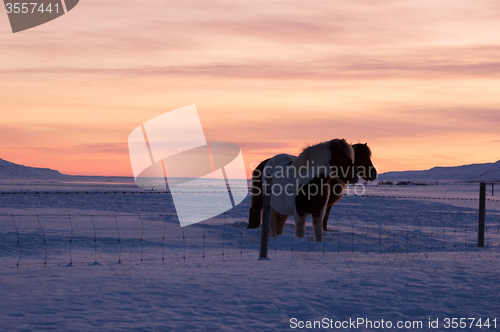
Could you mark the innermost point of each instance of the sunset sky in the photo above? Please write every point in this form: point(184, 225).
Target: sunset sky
point(418, 80)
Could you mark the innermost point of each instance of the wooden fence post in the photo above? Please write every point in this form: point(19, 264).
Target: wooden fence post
point(493, 189)
point(482, 214)
point(267, 183)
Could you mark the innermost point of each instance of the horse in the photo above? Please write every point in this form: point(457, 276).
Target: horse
point(334, 159)
point(365, 170)
point(363, 166)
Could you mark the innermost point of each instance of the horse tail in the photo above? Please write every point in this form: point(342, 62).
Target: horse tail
point(257, 198)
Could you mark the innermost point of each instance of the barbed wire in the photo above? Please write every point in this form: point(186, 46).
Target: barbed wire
point(135, 260)
point(424, 197)
point(94, 239)
point(224, 191)
point(117, 192)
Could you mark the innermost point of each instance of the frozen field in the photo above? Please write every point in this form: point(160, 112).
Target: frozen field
point(97, 255)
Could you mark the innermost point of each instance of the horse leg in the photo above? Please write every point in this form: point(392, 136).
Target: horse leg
point(273, 218)
point(317, 225)
point(325, 218)
point(300, 225)
point(335, 196)
point(318, 221)
point(280, 225)
point(254, 215)
point(257, 197)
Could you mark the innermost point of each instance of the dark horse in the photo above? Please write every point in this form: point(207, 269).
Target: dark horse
point(309, 193)
point(316, 203)
point(365, 169)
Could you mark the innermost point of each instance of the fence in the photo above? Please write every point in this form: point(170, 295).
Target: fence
point(480, 228)
point(94, 239)
point(48, 239)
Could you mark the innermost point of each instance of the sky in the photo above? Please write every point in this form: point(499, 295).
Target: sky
point(417, 80)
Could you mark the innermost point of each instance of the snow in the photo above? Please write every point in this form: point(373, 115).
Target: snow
point(10, 170)
point(484, 172)
point(383, 258)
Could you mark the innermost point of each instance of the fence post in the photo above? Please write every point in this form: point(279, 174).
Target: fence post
point(482, 214)
point(266, 195)
point(493, 189)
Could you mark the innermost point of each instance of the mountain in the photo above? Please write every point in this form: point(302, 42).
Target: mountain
point(10, 170)
point(489, 171)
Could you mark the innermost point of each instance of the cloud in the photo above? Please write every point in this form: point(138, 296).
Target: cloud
point(56, 134)
point(384, 124)
point(289, 40)
point(270, 76)
point(442, 63)
point(80, 149)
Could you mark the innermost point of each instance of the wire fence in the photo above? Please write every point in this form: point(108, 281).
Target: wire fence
point(95, 239)
point(166, 192)
point(108, 237)
point(58, 239)
point(428, 198)
point(394, 233)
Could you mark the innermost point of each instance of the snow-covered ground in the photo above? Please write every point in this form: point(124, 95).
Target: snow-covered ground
point(485, 172)
point(133, 267)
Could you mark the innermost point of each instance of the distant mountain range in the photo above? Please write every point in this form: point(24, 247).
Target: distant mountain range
point(10, 170)
point(486, 172)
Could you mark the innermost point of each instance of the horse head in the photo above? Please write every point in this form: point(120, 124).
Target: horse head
point(342, 160)
point(363, 162)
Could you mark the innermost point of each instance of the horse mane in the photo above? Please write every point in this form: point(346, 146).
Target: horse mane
point(321, 153)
